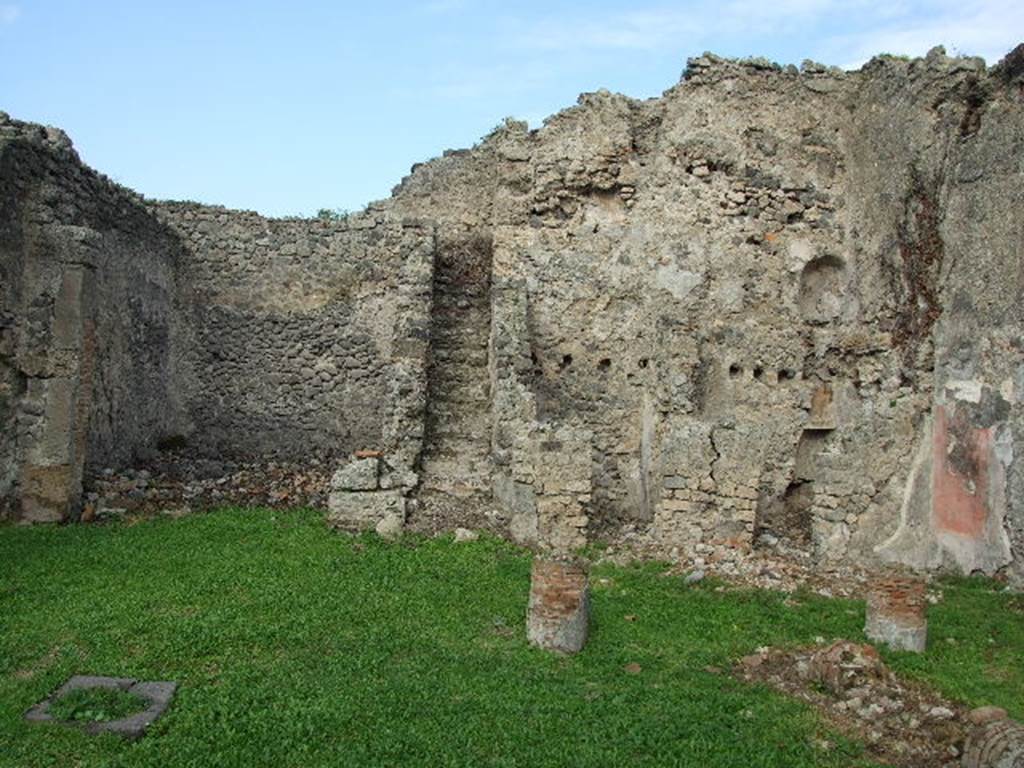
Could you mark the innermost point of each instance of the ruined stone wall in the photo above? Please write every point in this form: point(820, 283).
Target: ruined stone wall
point(962, 279)
point(772, 303)
point(128, 327)
point(750, 293)
point(86, 324)
point(306, 336)
point(457, 192)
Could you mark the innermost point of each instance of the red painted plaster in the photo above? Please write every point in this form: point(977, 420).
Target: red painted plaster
point(960, 478)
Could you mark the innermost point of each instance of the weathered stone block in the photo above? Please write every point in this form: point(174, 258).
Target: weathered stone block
point(361, 474)
point(559, 609)
point(56, 402)
point(523, 528)
point(390, 526)
point(823, 408)
point(48, 493)
point(362, 510)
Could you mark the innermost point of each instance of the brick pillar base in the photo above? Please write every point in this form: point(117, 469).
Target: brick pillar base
point(896, 612)
point(559, 606)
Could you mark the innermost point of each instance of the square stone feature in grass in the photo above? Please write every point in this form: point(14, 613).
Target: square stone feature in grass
point(158, 694)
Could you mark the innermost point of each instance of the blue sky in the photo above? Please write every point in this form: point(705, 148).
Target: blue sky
point(287, 107)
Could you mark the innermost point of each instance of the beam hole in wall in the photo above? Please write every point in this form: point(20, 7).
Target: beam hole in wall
point(758, 372)
point(786, 374)
point(735, 371)
point(604, 364)
point(642, 362)
point(566, 362)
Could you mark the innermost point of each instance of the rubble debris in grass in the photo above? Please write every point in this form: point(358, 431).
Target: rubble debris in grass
point(175, 485)
point(901, 723)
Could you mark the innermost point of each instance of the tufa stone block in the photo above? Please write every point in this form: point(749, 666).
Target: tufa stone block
point(361, 474)
point(48, 493)
point(363, 510)
point(823, 408)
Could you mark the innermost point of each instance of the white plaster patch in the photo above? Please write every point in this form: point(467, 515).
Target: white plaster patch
point(678, 282)
point(800, 252)
point(966, 390)
point(1002, 446)
point(1008, 391)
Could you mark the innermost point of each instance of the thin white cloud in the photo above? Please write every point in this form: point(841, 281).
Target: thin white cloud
point(498, 81)
point(660, 27)
point(988, 28)
point(9, 14)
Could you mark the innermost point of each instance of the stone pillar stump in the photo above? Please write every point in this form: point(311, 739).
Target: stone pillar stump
point(896, 612)
point(559, 610)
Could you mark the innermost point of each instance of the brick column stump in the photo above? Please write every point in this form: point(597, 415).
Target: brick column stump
point(896, 612)
point(559, 609)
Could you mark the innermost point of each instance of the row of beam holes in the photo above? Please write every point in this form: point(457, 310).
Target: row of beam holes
point(784, 374)
point(605, 363)
point(735, 370)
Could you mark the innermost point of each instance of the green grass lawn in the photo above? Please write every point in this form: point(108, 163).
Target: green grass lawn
point(296, 646)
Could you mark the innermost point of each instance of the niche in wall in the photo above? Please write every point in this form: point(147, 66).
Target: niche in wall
point(823, 289)
point(789, 514)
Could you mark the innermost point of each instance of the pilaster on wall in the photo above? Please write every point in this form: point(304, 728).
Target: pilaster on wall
point(404, 431)
point(513, 408)
point(542, 470)
point(57, 355)
point(370, 489)
point(563, 486)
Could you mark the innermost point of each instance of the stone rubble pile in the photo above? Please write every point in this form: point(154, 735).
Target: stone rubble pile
point(771, 563)
point(902, 723)
point(177, 485)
